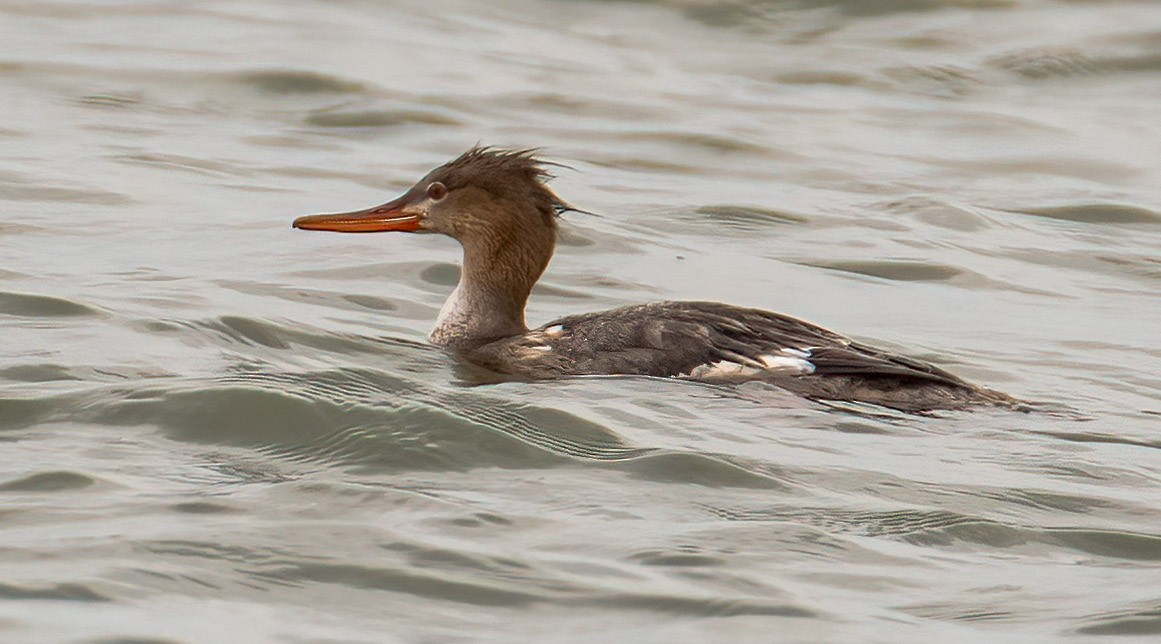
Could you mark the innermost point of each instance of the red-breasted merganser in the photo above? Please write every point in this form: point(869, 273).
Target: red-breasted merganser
point(496, 204)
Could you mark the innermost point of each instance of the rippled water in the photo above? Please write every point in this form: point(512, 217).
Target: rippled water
point(216, 428)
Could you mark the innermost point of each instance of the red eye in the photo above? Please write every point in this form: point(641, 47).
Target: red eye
point(436, 191)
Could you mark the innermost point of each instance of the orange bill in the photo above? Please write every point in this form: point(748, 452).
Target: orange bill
point(386, 218)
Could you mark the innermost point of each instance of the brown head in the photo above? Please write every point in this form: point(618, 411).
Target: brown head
point(465, 197)
point(496, 204)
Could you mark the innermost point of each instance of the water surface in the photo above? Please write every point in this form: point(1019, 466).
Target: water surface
point(217, 428)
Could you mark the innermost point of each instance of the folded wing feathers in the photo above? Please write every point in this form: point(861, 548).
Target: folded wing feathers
point(746, 336)
point(705, 333)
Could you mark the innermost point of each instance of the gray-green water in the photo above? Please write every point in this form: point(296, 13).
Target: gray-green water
point(216, 428)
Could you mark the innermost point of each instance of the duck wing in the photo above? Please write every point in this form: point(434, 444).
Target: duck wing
point(698, 340)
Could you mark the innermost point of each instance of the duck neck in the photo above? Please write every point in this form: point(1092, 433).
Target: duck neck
point(495, 281)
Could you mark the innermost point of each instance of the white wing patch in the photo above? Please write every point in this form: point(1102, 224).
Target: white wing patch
point(532, 351)
point(789, 361)
point(721, 369)
point(539, 342)
point(797, 353)
point(554, 330)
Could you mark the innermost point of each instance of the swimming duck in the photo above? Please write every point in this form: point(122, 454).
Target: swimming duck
point(497, 205)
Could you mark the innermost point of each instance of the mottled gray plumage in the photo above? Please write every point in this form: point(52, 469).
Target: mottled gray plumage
point(675, 338)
